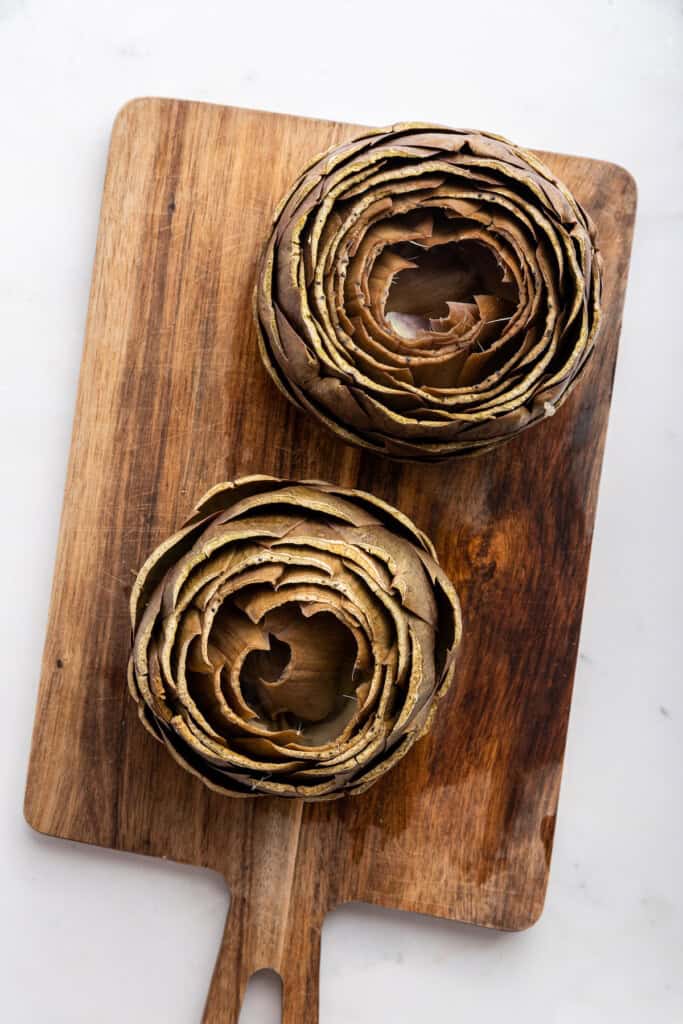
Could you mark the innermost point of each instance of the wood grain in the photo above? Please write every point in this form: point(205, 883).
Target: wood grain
point(173, 398)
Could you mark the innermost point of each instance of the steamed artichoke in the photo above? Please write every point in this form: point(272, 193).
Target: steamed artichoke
point(291, 639)
point(427, 292)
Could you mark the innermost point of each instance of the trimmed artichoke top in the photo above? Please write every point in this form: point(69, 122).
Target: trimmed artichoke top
point(427, 292)
point(292, 639)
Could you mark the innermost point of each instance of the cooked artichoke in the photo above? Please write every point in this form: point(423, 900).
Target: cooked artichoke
point(427, 292)
point(292, 639)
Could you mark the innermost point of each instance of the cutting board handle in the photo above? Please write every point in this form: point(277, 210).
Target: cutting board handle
point(258, 935)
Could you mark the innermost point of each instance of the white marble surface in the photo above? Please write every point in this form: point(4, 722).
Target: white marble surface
point(90, 937)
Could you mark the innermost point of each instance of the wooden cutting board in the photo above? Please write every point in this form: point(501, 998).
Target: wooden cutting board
point(172, 399)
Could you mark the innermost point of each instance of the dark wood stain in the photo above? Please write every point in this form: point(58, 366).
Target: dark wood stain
point(172, 399)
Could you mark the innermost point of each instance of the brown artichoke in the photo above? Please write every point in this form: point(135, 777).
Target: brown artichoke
point(291, 639)
point(427, 292)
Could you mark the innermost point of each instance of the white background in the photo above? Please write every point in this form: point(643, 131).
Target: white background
point(92, 937)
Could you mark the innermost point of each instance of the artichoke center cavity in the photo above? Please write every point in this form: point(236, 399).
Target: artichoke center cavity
point(307, 670)
point(442, 286)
